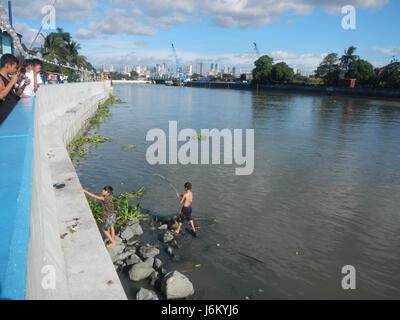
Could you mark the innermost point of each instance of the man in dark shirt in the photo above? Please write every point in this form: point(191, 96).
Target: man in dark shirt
point(108, 216)
point(9, 77)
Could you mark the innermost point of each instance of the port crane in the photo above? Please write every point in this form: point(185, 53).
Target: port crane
point(179, 74)
point(256, 51)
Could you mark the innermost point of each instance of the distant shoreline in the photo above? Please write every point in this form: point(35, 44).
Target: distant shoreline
point(131, 81)
point(338, 91)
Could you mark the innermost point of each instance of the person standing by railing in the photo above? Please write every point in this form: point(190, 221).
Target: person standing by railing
point(34, 68)
point(9, 77)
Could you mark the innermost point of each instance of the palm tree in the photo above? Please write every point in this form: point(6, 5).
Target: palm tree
point(347, 60)
point(54, 46)
point(66, 36)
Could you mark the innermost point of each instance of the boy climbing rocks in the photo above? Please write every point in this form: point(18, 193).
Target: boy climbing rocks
point(108, 213)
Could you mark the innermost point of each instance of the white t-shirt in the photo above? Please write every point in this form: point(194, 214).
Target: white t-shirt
point(29, 90)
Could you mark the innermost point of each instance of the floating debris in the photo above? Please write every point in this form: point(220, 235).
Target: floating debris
point(199, 137)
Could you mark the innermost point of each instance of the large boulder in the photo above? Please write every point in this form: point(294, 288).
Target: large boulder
point(122, 256)
point(132, 228)
point(140, 271)
point(114, 251)
point(133, 259)
point(176, 286)
point(144, 294)
point(174, 225)
point(148, 251)
point(168, 236)
point(149, 261)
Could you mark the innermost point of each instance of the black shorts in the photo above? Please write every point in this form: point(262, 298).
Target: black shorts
point(186, 214)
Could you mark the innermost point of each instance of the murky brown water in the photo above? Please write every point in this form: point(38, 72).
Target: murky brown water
point(324, 192)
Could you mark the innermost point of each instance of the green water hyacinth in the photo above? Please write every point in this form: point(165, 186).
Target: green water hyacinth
point(77, 146)
point(198, 137)
point(130, 147)
point(124, 208)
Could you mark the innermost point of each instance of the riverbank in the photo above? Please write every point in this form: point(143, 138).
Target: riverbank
point(331, 91)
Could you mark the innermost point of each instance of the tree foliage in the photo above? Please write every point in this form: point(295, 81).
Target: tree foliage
point(281, 73)
point(329, 69)
point(263, 69)
point(390, 76)
point(60, 47)
point(349, 66)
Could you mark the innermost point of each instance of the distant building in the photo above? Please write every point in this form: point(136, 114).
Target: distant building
point(301, 72)
point(188, 70)
point(200, 68)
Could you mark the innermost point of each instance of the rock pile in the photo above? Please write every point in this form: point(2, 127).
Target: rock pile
point(143, 263)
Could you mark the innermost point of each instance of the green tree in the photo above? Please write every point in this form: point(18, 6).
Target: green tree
point(54, 46)
point(390, 76)
point(329, 70)
point(281, 73)
point(363, 71)
point(347, 62)
point(134, 75)
point(263, 69)
point(59, 45)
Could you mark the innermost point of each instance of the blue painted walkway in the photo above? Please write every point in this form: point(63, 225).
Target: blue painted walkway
point(16, 158)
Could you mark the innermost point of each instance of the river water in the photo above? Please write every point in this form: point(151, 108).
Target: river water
point(324, 192)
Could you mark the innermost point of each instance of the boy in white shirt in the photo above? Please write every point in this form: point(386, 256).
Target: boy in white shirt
point(33, 69)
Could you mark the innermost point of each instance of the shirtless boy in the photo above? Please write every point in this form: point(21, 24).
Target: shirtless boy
point(186, 213)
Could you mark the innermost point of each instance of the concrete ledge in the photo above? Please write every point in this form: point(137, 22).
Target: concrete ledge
point(64, 264)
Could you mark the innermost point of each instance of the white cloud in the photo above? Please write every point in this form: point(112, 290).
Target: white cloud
point(117, 21)
point(242, 13)
point(29, 34)
point(71, 10)
point(143, 17)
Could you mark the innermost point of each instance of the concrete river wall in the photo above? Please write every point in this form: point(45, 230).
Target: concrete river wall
point(67, 258)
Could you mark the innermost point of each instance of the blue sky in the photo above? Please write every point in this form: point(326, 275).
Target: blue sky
point(298, 32)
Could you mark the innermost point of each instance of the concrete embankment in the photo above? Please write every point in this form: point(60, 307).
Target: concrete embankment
point(362, 92)
point(67, 258)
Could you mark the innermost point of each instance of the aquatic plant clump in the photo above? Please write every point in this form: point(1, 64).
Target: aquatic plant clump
point(77, 146)
point(124, 209)
point(103, 111)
